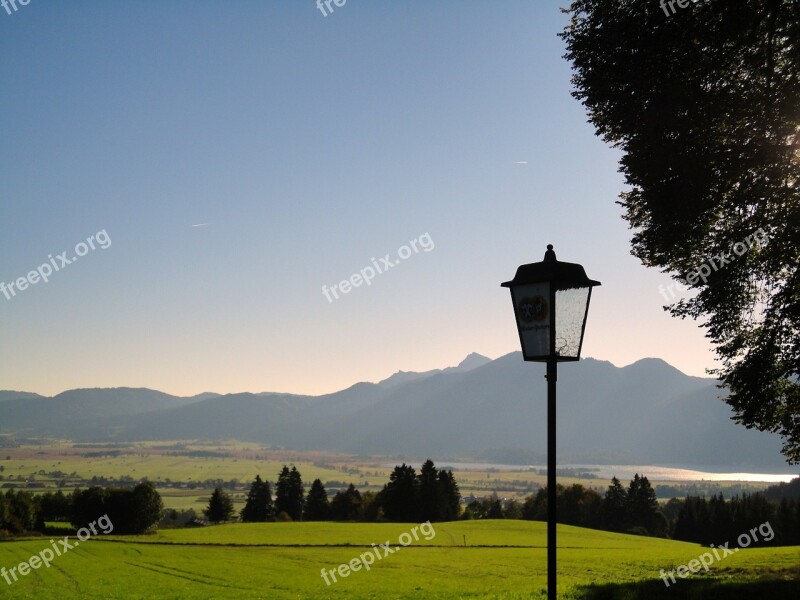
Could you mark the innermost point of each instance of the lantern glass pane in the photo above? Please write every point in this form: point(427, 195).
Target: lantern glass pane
point(570, 321)
point(532, 309)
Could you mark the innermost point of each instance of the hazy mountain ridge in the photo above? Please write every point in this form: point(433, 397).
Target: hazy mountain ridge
point(472, 361)
point(647, 412)
point(12, 395)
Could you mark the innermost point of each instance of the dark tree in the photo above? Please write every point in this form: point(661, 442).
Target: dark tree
point(576, 504)
point(119, 506)
point(3, 511)
point(220, 507)
point(89, 505)
point(614, 508)
point(535, 507)
point(147, 508)
point(720, 518)
point(131, 511)
point(431, 494)
point(54, 506)
point(346, 505)
point(370, 509)
point(495, 510)
point(289, 493)
point(479, 509)
point(317, 507)
point(787, 525)
point(789, 490)
point(703, 106)
point(258, 507)
point(689, 526)
point(716, 521)
point(450, 503)
point(643, 506)
point(512, 510)
point(21, 511)
point(579, 506)
point(400, 497)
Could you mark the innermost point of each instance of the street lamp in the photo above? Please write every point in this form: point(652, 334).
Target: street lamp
point(551, 303)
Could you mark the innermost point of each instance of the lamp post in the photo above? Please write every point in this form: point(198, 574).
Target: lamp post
point(551, 303)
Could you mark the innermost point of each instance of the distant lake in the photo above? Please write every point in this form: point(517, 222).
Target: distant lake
point(653, 472)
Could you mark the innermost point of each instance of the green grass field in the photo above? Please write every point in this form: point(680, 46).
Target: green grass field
point(501, 559)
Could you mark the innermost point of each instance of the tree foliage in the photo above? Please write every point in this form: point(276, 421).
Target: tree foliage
point(317, 507)
point(615, 505)
point(131, 511)
point(400, 497)
point(715, 521)
point(634, 510)
point(289, 493)
point(258, 507)
point(432, 495)
point(220, 507)
point(703, 105)
point(54, 506)
point(346, 505)
point(18, 512)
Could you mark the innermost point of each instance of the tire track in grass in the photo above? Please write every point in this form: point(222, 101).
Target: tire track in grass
point(205, 544)
point(171, 572)
point(65, 574)
point(450, 535)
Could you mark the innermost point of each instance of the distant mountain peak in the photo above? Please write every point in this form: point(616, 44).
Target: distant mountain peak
point(652, 364)
point(472, 361)
point(405, 377)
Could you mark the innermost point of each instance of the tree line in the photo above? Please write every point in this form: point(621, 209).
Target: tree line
point(715, 520)
point(430, 495)
point(131, 510)
point(636, 510)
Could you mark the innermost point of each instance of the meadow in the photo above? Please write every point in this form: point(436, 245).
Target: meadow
point(465, 559)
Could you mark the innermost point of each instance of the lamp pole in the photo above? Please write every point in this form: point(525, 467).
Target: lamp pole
point(552, 377)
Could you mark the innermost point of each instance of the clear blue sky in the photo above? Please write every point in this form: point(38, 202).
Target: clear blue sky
point(305, 145)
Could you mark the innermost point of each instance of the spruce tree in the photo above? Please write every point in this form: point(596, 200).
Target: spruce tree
point(642, 503)
point(400, 497)
point(258, 507)
point(346, 505)
point(450, 509)
point(289, 496)
point(615, 503)
point(220, 507)
point(317, 507)
point(430, 493)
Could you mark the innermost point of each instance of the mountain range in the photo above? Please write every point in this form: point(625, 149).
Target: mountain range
point(482, 409)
